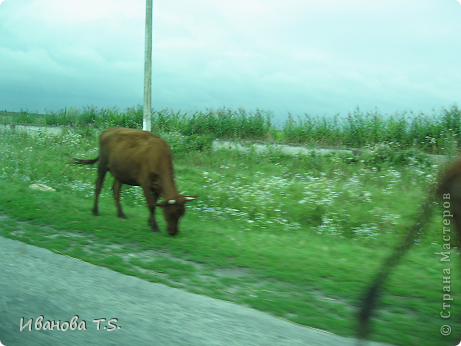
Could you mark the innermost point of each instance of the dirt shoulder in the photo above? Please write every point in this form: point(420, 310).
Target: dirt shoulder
point(37, 282)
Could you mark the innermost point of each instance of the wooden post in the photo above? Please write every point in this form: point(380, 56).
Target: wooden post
point(147, 114)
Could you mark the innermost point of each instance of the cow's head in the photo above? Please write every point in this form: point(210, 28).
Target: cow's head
point(173, 209)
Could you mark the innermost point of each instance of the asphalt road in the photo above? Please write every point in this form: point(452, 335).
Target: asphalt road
point(36, 282)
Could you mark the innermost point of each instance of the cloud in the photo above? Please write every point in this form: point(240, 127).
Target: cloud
point(301, 56)
point(61, 56)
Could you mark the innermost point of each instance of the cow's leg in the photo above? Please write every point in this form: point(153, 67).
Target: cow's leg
point(101, 174)
point(151, 200)
point(116, 188)
point(152, 211)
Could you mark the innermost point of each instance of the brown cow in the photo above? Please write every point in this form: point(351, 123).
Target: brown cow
point(140, 158)
point(449, 191)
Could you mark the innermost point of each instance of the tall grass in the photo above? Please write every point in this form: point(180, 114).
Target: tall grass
point(218, 123)
point(436, 133)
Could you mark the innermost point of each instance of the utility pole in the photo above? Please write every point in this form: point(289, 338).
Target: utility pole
point(146, 124)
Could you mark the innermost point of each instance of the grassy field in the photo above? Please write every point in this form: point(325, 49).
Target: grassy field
point(299, 237)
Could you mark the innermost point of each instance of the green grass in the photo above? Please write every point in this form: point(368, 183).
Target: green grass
point(299, 237)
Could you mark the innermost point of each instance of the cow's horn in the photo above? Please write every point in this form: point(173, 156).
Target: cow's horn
point(171, 201)
point(189, 198)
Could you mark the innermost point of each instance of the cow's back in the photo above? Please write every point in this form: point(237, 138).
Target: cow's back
point(124, 135)
point(118, 139)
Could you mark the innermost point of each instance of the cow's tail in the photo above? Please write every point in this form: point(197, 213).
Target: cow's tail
point(448, 184)
point(371, 295)
point(84, 162)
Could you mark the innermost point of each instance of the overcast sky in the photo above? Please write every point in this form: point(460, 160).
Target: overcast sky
point(299, 56)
